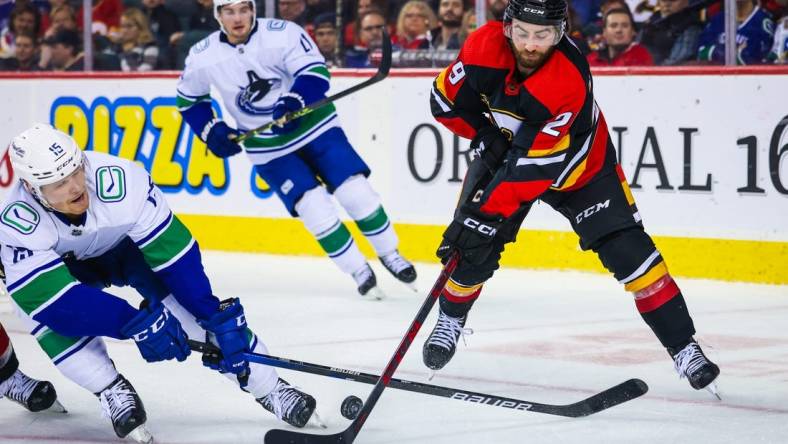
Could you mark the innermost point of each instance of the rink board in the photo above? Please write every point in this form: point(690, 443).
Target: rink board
point(703, 151)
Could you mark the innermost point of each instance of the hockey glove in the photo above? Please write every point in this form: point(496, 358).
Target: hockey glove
point(158, 334)
point(219, 138)
point(472, 234)
point(228, 327)
point(289, 102)
point(490, 145)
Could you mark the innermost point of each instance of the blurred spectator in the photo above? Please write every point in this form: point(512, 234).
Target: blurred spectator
point(201, 23)
point(65, 48)
point(671, 34)
point(447, 35)
point(468, 25)
point(619, 48)
point(293, 10)
point(105, 17)
point(370, 38)
point(26, 54)
point(414, 22)
point(326, 37)
point(574, 30)
point(61, 17)
point(496, 8)
point(137, 48)
point(642, 9)
point(163, 22)
point(350, 34)
point(593, 31)
point(779, 52)
point(315, 8)
point(754, 36)
point(5, 12)
point(587, 11)
point(24, 19)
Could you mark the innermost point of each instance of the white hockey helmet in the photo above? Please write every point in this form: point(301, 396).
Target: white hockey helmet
point(42, 155)
point(217, 4)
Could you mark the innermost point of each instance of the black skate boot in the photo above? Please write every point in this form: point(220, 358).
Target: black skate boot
point(691, 363)
point(368, 283)
point(121, 404)
point(289, 404)
point(30, 393)
point(442, 342)
point(400, 268)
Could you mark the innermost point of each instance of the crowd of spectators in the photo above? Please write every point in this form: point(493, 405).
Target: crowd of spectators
point(144, 35)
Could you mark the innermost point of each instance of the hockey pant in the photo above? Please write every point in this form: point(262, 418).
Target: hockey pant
point(604, 215)
point(8, 361)
point(304, 181)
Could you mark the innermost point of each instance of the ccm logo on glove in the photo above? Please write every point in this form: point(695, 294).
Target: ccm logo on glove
point(480, 227)
point(157, 325)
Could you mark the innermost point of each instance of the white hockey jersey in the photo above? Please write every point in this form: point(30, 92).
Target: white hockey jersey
point(123, 202)
point(251, 77)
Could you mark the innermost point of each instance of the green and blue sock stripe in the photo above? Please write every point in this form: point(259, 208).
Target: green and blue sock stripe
point(59, 347)
point(41, 287)
point(166, 243)
point(375, 223)
point(335, 240)
point(309, 125)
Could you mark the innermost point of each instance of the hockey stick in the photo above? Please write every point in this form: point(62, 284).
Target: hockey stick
point(383, 71)
point(604, 400)
point(279, 436)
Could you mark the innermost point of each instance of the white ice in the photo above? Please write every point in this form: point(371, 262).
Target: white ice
point(544, 336)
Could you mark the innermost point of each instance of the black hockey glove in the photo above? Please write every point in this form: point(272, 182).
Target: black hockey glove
point(490, 145)
point(472, 234)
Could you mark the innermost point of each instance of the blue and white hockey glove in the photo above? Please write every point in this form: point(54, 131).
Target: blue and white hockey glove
point(217, 135)
point(158, 334)
point(228, 327)
point(289, 102)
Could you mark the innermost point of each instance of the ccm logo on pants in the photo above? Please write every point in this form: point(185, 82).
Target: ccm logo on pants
point(585, 214)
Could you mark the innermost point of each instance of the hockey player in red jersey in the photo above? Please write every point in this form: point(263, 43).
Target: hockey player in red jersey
point(30, 393)
point(523, 93)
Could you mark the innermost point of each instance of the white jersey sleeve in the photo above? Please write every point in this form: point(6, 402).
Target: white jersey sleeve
point(302, 53)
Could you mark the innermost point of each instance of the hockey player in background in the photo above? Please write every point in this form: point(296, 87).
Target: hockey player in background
point(524, 94)
point(30, 393)
point(262, 69)
point(76, 223)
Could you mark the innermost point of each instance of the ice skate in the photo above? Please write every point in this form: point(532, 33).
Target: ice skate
point(691, 363)
point(32, 394)
point(290, 404)
point(121, 404)
point(442, 342)
point(368, 283)
point(400, 268)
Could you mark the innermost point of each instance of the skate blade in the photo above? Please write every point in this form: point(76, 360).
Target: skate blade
point(714, 390)
point(412, 286)
point(374, 294)
point(431, 374)
point(56, 407)
point(141, 435)
point(317, 420)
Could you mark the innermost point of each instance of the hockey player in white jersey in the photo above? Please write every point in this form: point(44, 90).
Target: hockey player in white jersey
point(262, 69)
point(78, 222)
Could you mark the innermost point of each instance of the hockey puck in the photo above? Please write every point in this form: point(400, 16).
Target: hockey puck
point(351, 406)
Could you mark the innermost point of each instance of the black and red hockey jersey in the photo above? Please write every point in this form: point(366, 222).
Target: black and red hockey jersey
point(551, 115)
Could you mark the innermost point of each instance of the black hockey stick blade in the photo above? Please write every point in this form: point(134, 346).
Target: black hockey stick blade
point(611, 397)
point(382, 73)
point(278, 436)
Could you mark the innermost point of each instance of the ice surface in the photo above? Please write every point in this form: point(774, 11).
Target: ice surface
point(552, 337)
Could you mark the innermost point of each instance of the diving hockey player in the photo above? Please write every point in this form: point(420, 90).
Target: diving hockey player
point(76, 223)
point(262, 69)
point(547, 140)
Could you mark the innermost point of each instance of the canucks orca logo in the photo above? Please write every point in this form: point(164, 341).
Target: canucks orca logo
point(255, 91)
